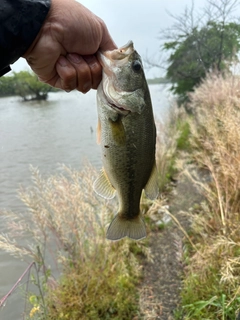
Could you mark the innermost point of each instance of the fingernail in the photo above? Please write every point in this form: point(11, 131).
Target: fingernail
point(87, 86)
point(75, 58)
point(90, 59)
point(62, 61)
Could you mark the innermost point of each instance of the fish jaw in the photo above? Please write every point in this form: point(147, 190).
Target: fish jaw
point(113, 110)
point(113, 101)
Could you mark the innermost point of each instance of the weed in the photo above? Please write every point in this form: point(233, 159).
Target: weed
point(66, 223)
point(211, 288)
point(183, 128)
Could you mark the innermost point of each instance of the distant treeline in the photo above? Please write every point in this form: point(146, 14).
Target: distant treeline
point(24, 84)
point(158, 81)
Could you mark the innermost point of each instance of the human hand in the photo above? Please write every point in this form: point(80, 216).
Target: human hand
point(63, 54)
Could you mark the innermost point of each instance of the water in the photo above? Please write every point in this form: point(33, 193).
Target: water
point(46, 134)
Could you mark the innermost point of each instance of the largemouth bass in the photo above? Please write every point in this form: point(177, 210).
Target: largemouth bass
point(127, 134)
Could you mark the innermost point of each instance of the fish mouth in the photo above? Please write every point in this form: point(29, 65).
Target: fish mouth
point(118, 56)
point(109, 60)
point(121, 53)
point(119, 109)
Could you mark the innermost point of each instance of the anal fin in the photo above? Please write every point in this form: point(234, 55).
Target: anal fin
point(103, 187)
point(151, 189)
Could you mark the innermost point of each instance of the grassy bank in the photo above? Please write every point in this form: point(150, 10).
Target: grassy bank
point(65, 223)
point(211, 284)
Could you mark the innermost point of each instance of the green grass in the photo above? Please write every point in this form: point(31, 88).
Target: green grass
point(183, 142)
point(96, 291)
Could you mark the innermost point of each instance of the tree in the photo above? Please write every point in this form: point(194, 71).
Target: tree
point(200, 44)
point(29, 87)
point(7, 84)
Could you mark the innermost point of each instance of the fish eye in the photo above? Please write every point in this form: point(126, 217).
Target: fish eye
point(136, 66)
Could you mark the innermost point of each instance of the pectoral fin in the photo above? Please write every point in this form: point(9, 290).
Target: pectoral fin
point(118, 131)
point(103, 187)
point(151, 188)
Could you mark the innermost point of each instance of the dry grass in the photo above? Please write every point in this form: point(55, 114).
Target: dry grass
point(212, 284)
point(216, 136)
point(65, 223)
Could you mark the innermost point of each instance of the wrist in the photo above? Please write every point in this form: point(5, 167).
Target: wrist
point(49, 28)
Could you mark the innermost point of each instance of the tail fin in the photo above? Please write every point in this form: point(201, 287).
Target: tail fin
point(121, 228)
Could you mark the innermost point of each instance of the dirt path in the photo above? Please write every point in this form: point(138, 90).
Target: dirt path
point(162, 278)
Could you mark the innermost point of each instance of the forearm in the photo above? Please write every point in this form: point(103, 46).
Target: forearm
point(20, 22)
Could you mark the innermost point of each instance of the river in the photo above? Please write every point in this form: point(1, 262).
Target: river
point(46, 134)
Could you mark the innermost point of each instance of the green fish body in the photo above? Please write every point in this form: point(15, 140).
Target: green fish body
point(127, 134)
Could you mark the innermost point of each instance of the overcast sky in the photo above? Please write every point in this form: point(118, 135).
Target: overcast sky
point(136, 20)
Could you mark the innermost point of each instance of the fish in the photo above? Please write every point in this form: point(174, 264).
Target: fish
point(126, 132)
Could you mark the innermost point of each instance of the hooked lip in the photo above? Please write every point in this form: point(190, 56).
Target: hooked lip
point(118, 56)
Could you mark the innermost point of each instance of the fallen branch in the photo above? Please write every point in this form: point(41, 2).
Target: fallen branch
point(3, 300)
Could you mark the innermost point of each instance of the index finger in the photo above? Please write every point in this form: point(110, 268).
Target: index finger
point(107, 42)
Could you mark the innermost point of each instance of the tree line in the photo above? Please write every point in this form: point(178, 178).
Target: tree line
point(199, 42)
point(24, 84)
